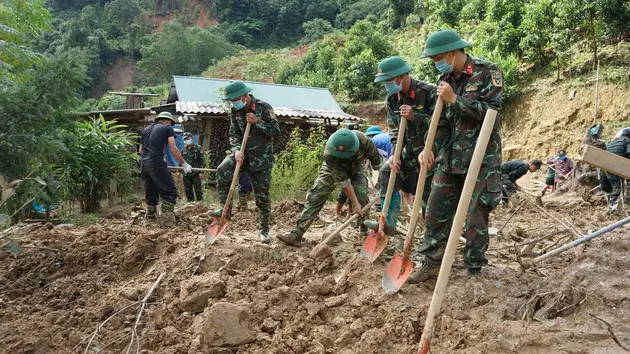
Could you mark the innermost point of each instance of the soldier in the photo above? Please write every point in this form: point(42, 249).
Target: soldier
point(613, 184)
point(344, 163)
point(414, 100)
point(468, 87)
point(511, 171)
point(193, 154)
point(158, 181)
point(257, 158)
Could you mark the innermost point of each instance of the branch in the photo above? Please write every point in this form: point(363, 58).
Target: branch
point(143, 303)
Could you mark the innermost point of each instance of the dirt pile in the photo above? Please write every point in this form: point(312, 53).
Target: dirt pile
point(239, 296)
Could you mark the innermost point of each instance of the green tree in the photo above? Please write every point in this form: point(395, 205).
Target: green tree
point(583, 19)
point(263, 67)
point(103, 151)
point(402, 9)
point(315, 30)
point(182, 51)
point(538, 29)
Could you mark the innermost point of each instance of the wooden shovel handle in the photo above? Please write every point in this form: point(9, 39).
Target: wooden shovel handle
point(352, 218)
point(392, 176)
point(417, 203)
point(236, 171)
point(456, 229)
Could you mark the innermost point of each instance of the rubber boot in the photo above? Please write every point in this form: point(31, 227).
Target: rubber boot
point(612, 204)
point(242, 202)
point(219, 212)
point(424, 271)
point(167, 219)
point(151, 212)
point(292, 238)
point(391, 219)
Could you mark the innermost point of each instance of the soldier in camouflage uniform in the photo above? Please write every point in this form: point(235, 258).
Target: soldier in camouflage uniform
point(613, 184)
point(414, 100)
point(257, 159)
point(193, 154)
point(469, 87)
point(344, 163)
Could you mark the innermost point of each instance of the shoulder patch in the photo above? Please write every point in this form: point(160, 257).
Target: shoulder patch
point(497, 79)
point(471, 88)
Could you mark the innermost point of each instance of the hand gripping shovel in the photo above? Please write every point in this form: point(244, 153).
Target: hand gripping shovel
point(317, 249)
point(377, 240)
point(219, 225)
point(456, 230)
point(400, 267)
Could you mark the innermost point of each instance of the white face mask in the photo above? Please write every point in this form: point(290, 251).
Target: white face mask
point(188, 141)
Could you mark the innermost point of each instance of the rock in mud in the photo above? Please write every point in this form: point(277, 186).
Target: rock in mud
point(196, 292)
point(132, 294)
point(224, 326)
point(336, 300)
point(269, 325)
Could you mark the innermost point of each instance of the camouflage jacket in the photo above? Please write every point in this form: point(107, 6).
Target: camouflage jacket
point(193, 154)
point(478, 88)
point(342, 170)
point(259, 149)
point(422, 98)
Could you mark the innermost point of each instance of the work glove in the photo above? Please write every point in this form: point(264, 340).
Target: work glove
point(187, 168)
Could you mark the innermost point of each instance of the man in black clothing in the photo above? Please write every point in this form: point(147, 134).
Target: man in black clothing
point(512, 171)
point(613, 184)
point(158, 181)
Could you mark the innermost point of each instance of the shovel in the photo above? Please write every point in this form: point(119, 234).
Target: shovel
point(456, 230)
point(315, 252)
point(219, 225)
point(377, 240)
point(194, 169)
point(400, 267)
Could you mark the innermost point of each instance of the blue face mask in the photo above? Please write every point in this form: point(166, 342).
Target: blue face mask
point(188, 142)
point(238, 105)
point(443, 66)
point(562, 158)
point(392, 87)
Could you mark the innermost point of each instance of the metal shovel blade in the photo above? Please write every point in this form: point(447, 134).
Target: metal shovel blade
point(215, 230)
point(396, 274)
point(374, 244)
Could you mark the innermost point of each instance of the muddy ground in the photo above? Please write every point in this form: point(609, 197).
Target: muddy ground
point(238, 296)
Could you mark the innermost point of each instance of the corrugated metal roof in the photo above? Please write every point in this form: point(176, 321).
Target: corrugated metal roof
point(221, 109)
point(199, 89)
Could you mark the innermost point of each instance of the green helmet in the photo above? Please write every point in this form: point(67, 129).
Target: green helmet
point(342, 144)
point(235, 89)
point(391, 67)
point(186, 135)
point(165, 115)
point(443, 41)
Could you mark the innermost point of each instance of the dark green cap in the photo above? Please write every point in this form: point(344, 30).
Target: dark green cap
point(165, 115)
point(443, 41)
point(342, 144)
point(235, 89)
point(186, 135)
point(391, 67)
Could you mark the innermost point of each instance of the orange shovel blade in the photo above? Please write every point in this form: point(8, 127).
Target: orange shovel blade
point(216, 229)
point(396, 274)
point(374, 244)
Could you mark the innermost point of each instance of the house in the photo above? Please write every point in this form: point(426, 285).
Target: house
point(197, 104)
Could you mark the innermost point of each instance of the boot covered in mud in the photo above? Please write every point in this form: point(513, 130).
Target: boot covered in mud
point(613, 204)
point(425, 270)
point(217, 213)
point(167, 219)
point(151, 212)
point(391, 219)
point(264, 237)
point(293, 238)
point(242, 202)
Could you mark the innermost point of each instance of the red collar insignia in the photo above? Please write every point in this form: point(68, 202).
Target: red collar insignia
point(469, 69)
point(412, 94)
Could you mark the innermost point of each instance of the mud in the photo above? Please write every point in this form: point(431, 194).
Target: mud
point(239, 296)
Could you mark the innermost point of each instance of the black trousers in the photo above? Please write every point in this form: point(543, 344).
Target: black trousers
point(158, 182)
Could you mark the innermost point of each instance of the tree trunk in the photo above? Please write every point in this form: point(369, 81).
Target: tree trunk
point(558, 66)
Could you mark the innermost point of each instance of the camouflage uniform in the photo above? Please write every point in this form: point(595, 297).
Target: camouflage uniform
point(422, 97)
point(336, 172)
point(478, 88)
point(258, 155)
point(620, 147)
point(193, 154)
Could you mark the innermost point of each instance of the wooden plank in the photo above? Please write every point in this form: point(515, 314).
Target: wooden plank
point(607, 161)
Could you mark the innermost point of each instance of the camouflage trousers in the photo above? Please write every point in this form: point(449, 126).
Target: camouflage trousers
point(318, 195)
point(192, 187)
point(261, 182)
point(615, 186)
point(446, 190)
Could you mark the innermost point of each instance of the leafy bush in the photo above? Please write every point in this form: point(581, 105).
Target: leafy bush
point(102, 151)
point(315, 30)
point(297, 167)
